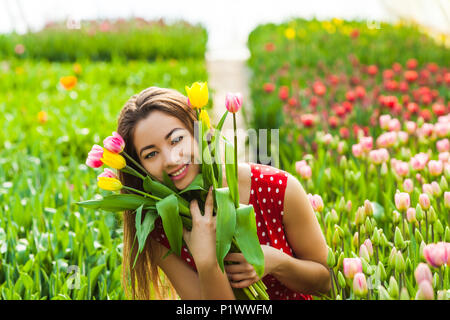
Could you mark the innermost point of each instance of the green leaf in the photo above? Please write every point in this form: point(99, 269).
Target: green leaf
point(173, 226)
point(118, 202)
point(93, 275)
point(230, 173)
point(225, 223)
point(378, 211)
point(168, 182)
point(160, 190)
point(247, 237)
point(147, 226)
point(197, 184)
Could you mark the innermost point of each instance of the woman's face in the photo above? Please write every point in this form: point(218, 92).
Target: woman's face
point(163, 143)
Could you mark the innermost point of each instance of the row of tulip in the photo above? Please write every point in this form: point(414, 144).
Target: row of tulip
point(366, 130)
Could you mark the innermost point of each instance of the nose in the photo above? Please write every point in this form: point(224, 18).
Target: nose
point(173, 157)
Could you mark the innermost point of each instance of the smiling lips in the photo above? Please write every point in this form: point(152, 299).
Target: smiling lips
point(180, 173)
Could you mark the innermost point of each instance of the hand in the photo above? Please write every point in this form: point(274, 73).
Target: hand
point(242, 274)
point(201, 240)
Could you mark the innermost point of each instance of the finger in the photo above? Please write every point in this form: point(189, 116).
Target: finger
point(236, 257)
point(235, 268)
point(237, 277)
point(242, 284)
point(195, 209)
point(186, 235)
point(209, 203)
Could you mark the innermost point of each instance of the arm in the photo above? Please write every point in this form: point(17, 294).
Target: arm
point(307, 272)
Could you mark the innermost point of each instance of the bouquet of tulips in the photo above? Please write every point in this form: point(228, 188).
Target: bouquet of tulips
point(235, 226)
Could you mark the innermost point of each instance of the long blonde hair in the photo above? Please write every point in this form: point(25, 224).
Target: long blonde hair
point(139, 280)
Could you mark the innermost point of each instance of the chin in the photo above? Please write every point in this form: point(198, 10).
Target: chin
point(187, 180)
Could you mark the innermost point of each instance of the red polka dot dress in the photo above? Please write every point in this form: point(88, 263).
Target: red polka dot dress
point(268, 185)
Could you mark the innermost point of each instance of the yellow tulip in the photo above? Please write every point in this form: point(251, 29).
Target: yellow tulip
point(289, 33)
point(110, 184)
point(198, 94)
point(204, 118)
point(114, 160)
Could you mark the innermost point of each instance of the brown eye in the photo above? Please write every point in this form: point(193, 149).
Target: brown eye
point(178, 139)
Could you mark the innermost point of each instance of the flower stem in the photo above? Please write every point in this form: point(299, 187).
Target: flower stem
point(136, 164)
point(235, 146)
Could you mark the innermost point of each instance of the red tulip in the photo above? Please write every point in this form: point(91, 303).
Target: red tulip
point(268, 87)
point(319, 88)
point(269, 47)
point(283, 92)
point(426, 114)
point(307, 120)
point(333, 121)
point(350, 96)
point(411, 75)
point(372, 70)
point(388, 74)
point(413, 107)
point(292, 101)
point(354, 34)
point(344, 132)
point(360, 92)
point(439, 109)
point(411, 64)
point(397, 67)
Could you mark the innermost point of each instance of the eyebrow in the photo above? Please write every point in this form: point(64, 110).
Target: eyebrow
point(166, 137)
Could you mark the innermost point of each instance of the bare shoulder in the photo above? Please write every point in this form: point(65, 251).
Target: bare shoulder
point(296, 202)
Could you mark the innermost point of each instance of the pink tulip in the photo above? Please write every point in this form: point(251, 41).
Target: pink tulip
point(114, 143)
point(233, 102)
point(436, 188)
point(378, 156)
point(357, 150)
point(305, 172)
point(443, 145)
point(364, 252)
point(427, 129)
point(447, 199)
point(366, 143)
point(299, 164)
point(107, 173)
point(360, 284)
point(436, 254)
point(402, 201)
point(442, 129)
point(351, 267)
point(411, 127)
point(427, 189)
point(394, 125)
point(423, 273)
point(425, 291)
point(419, 161)
point(94, 156)
point(384, 121)
point(401, 168)
point(424, 201)
point(435, 167)
point(408, 185)
point(444, 156)
point(317, 203)
point(369, 246)
point(411, 215)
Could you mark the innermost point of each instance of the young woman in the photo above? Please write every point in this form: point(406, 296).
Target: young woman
point(158, 128)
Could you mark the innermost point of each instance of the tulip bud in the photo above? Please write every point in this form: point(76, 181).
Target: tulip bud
point(438, 228)
point(425, 291)
point(396, 217)
point(398, 239)
point(393, 288)
point(447, 234)
point(409, 266)
point(368, 226)
point(343, 162)
point(340, 260)
point(364, 253)
point(435, 282)
point(411, 215)
point(360, 284)
point(384, 241)
point(447, 199)
point(368, 208)
point(424, 201)
point(348, 206)
point(391, 260)
point(341, 205)
point(333, 216)
point(331, 260)
point(383, 294)
point(432, 217)
point(336, 238)
point(418, 236)
point(423, 273)
point(362, 229)
point(351, 267)
point(421, 247)
point(375, 237)
point(359, 216)
point(404, 295)
point(400, 265)
point(341, 279)
point(366, 268)
point(443, 183)
point(381, 271)
point(355, 239)
point(419, 213)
